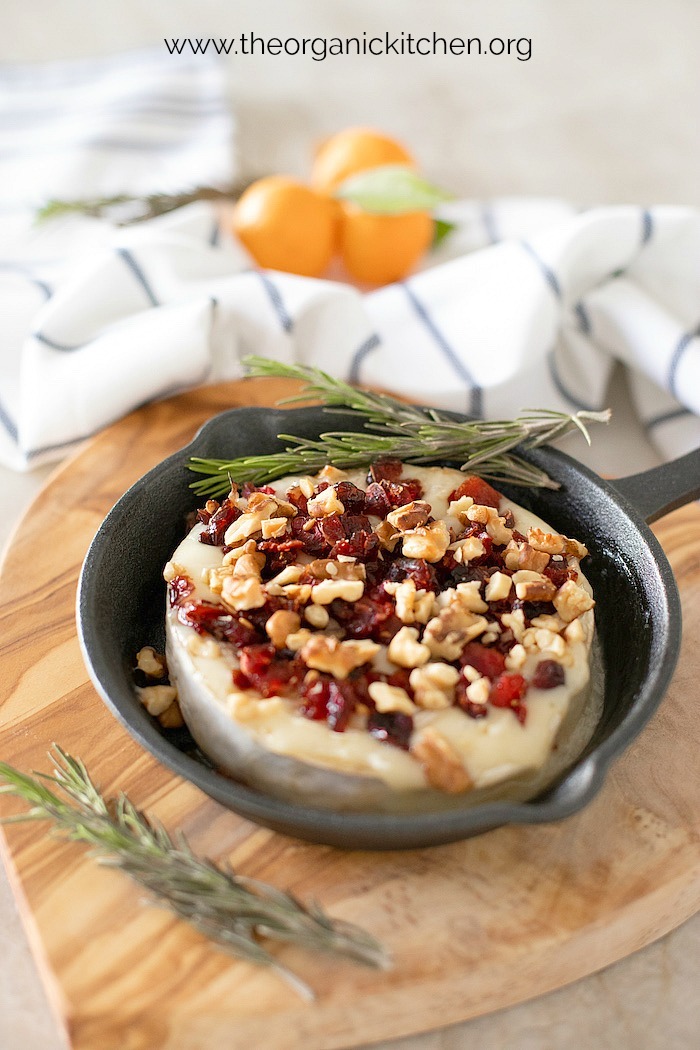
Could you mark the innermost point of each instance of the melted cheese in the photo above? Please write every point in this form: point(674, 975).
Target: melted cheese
point(239, 730)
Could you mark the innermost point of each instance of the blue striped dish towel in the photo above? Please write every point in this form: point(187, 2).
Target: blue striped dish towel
point(529, 303)
point(137, 124)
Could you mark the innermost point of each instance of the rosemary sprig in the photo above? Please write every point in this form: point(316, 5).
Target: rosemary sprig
point(389, 427)
point(138, 207)
point(232, 910)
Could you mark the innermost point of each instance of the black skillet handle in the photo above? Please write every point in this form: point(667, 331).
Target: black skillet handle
point(659, 491)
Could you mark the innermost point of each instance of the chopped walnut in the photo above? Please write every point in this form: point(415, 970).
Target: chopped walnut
point(274, 527)
point(298, 640)
point(151, 662)
point(468, 595)
point(529, 558)
point(171, 570)
point(306, 484)
point(337, 658)
point(516, 657)
point(550, 623)
point(387, 535)
point(406, 651)
point(537, 638)
point(549, 542)
point(282, 623)
point(571, 601)
point(242, 592)
point(326, 591)
point(249, 565)
point(574, 549)
point(410, 516)
point(494, 523)
point(441, 764)
point(412, 605)
point(316, 615)
point(325, 503)
point(458, 508)
point(332, 474)
point(232, 556)
point(534, 591)
point(433, 685)
point(157, 698)
point(390, 698)
point(427, 541)
point(244, 527)
point(471, 674)
point(478, 691)
point(515, 621)
point(171, 718)
point(511, 555)
point(498, 587)
point(448, 632)
point(467, 550)
point(290, 574)
point(574, 632)
point(330, 569)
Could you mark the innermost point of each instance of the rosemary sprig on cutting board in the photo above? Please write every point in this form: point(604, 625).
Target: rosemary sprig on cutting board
point(235, 912)
point(387, 427)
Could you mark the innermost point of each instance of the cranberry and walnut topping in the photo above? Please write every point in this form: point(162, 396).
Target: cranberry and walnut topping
point(403, 613)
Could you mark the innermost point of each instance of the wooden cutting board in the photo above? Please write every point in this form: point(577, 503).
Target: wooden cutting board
point(472, 926)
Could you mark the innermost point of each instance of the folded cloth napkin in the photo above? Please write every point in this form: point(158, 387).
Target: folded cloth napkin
point(141, 123)
point(529, 304)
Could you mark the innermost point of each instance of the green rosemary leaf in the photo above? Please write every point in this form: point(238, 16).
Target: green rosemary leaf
point(233, 911)
point(389, 428)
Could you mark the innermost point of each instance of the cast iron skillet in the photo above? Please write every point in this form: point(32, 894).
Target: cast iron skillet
point(638, 618)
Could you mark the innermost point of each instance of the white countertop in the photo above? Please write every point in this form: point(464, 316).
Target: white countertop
point(605, 110)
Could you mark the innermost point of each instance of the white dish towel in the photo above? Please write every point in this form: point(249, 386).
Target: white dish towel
point(527, 304)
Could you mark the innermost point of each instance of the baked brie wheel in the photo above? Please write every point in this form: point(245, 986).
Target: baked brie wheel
point(399, 639)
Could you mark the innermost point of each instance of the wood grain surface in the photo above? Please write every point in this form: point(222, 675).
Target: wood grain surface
point(472, 926)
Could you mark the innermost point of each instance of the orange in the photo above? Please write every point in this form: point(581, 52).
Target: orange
point(378, 249)
point(287, 226)
point(352, 151)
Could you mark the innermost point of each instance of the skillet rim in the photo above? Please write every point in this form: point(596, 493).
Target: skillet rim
point(572, 791)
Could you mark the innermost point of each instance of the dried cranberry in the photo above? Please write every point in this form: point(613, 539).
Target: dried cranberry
point(215, 529)
point(326, 698)
point(278, 553)
point(240, 680)
point(179, 588)
point(332, 529)
point(548, 674)
point(410, 489)
point(558, 572)
point(508, 691)
point(479, 490)
point(267, 671)
point(311, 539)
point(369, 617)
point(393, 727)
point(352, 497)
point(363, 545)
point(297, 498)
point(377, 501)
point(487, 661)
point(385, 470)
point(421, 572)
point(207, 618)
